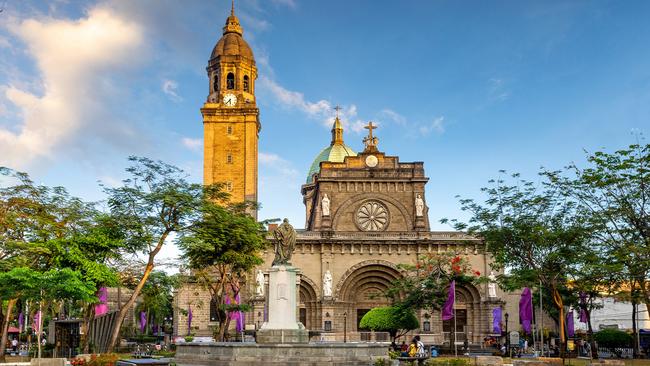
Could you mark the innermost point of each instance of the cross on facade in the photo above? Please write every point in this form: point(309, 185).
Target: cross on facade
point(370, 127)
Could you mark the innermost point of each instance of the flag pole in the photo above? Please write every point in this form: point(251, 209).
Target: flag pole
point(454, 307)
point(532, 306)
point(541, 319)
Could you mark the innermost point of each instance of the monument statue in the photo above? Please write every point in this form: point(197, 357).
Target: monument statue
point(325, 205)
point(419, 205)
point(492, 286)
point(285, 241)
point(259, 279)
point(327, 283)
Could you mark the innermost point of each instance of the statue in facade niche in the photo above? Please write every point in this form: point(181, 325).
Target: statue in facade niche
point(492, 286)
point(285, 241)
point(259, 279)
point(327, 283)
point(419, 205)
point(325, 205)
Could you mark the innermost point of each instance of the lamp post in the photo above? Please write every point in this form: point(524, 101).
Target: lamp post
point(345, 327)
point(507, 335)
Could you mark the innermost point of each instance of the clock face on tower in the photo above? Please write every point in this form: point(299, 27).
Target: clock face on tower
point(230, 100)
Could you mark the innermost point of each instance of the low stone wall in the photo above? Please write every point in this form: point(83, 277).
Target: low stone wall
point(253, 354)
point(540, 361)
point(608, 362)
point(48, 362)
point(487, 361)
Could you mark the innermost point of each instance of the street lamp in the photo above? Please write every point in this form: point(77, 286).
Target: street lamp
point(507, 336)
point(345, 327)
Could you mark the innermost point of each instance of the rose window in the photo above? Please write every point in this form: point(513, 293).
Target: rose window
point(372, 216)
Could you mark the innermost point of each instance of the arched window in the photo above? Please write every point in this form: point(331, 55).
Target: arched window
point(245, 83)
point(230, 81)
point(215, 82)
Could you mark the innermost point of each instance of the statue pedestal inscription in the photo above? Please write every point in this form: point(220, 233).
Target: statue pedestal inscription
point(282, 326)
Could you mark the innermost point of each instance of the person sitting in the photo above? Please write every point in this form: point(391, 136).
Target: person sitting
point(405, 349)
point(413, 348)
point(420, 352)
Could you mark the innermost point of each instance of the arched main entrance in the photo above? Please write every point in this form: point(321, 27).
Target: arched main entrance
point(363, 287)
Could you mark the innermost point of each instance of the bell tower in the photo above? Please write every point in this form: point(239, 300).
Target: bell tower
point(230, 116)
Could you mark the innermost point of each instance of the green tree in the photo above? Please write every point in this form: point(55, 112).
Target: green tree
point(534, 232)
point(35, 220)
point(154, 202)
point(397, 321)
point(614, 190)
point(423, 285)
point(222, 248)
point(613, 338)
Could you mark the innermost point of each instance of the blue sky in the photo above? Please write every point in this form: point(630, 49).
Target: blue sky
point(468, 87)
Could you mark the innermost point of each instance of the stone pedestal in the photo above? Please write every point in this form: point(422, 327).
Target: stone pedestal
point(326, 222)
point(282, 326)
point(420, 224)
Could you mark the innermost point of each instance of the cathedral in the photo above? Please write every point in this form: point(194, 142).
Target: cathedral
point(366, 212)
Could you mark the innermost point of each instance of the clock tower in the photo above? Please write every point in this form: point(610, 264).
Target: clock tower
point(230, 116)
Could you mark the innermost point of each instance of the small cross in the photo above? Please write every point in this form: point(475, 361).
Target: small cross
point(337, 109)
point(370, 127)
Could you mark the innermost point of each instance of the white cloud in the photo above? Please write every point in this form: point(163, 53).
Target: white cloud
point(277, 164)
point(170, 87)
point(436, 125)
point(322, 110)
point(289, 3)
point(192, 144)
point(393, 116)
point(4, 42)
point(296, 100)
point(73, 58)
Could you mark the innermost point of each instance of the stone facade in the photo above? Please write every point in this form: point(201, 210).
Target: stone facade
point(365, 214)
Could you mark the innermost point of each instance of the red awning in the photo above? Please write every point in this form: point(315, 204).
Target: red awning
point(13, 330)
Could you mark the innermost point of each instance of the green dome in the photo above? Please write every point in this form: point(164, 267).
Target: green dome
point(335, 153)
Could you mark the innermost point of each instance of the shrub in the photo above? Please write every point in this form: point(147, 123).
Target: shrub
point(107, 359)
point(390, 319)
point(613, 338)
point(381, 362)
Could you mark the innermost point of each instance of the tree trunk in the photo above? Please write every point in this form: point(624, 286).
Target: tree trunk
point(590, 336)
point(5, 327)
point(89, 314)
point(115, 335)
point(559, 303)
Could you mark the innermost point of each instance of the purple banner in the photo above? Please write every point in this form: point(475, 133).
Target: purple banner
point(102, 308)
point(570, 330)
point(37, 318)
point(21, 321)
point(496, 320)
point(583, 307)
point(143, 321)
point(448, 308)
point(526, 309)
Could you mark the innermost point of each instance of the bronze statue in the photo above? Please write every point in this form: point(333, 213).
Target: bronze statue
point(285, 241)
